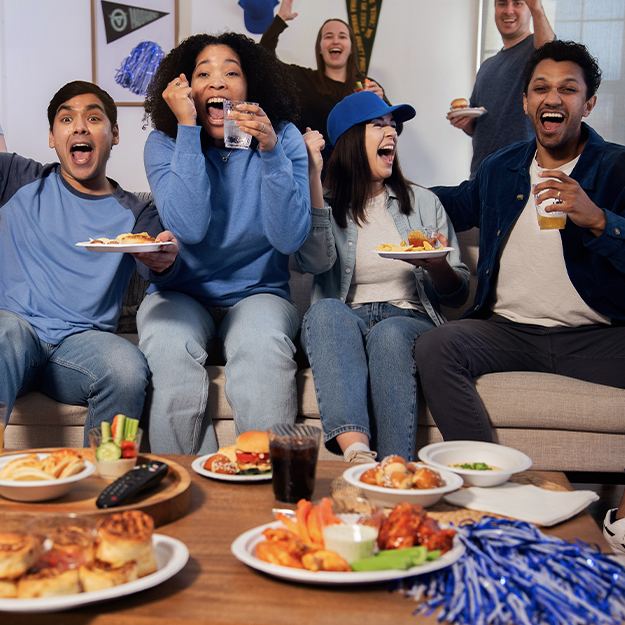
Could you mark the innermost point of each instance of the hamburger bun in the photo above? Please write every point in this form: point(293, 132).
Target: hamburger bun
point(48, 582)
point(459, 103)
point(99, 575)
point(18, 552)
point(253, 441)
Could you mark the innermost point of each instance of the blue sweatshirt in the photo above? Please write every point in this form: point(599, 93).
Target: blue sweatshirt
point(237, 214)
point(58, 288)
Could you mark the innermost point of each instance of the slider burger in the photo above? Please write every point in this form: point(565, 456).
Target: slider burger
point(18, 552)
point(99, 575)
point(127, 536)
point(459, 103)
point(48, 582)
point(252, 452)
point(224, 461)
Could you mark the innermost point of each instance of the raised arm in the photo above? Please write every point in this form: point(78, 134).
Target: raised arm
point(543, 33)
point(285, 14)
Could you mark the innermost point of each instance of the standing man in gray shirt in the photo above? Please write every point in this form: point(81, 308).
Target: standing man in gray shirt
point(499, 82)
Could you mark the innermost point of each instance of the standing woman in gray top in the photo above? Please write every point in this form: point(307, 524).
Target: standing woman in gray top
point(499, 81)
point(368, 311)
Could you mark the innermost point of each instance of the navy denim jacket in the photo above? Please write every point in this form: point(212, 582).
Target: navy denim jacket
point(494, 199)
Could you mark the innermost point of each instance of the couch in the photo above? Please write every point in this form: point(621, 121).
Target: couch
point(561, 423)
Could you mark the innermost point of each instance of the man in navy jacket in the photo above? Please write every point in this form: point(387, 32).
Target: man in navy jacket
point(59, 304)
point(547, 300)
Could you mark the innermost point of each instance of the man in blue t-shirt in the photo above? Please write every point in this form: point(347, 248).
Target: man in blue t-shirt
point(499, 82)
point(59, 304)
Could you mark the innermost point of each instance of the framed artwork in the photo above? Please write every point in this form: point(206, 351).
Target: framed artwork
point(128, 42)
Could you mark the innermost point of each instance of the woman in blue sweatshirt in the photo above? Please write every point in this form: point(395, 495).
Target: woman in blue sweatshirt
point(237, 215)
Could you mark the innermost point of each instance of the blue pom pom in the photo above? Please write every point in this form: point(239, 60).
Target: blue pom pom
point(138, 68)
point(513, 574)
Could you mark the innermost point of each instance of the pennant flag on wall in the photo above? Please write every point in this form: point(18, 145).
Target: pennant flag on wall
point(363, 18)
point(123, 19)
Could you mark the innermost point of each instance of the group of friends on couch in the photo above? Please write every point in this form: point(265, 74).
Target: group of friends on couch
point(547, 300)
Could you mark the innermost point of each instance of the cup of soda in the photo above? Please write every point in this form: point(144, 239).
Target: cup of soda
point(293, 450)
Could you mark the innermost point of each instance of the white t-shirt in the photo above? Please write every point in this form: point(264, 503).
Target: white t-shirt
point(533, 285)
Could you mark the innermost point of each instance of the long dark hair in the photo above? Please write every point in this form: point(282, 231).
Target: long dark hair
point(353, 73)
point(348, 179)
point(268, 82)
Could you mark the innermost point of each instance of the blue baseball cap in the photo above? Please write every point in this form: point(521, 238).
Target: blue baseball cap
point(364, 106)
point(257, 14)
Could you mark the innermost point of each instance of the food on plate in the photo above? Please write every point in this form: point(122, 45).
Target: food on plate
point(118, 439)
point(425, 246)
point(18, 552)
point(459, 103)
point(56, 465)
point(407, 537)
point(71, 546)
point(127, 536)
point(408, 525)
point(249, 455)
point(48, 582)
point(99, 575)
point(474, 466)
point(126, 238)
point(418, 238)
point(397, 472)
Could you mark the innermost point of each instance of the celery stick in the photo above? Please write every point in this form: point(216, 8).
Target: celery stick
point(130, 429)
point(106, 432)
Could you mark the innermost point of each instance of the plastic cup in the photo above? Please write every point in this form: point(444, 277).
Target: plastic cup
point(293, 450)
point(234, 137)
point(112, 469)
point(552, 220)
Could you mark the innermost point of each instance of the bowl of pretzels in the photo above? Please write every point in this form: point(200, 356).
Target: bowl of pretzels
point(43, 475)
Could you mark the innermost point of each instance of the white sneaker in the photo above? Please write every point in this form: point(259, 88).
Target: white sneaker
point(360, 456)
point(614, 531)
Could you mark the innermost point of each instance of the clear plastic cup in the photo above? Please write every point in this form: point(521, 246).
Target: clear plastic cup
point(234, 137)
point(552, 220)
point(111, 469)
point(293, 450)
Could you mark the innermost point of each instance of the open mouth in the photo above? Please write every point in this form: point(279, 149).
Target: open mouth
point(81, 153)
point(551, 120)
point(387, 154)
point(335, 52)
point(215, 109)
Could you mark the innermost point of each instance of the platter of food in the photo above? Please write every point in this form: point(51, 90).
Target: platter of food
point(131, 242)
point(397, 252)
point(299, 550)
point(42, 476)
point(245, 461)
point(74, 564)
point(395, 480)
point(468, 111)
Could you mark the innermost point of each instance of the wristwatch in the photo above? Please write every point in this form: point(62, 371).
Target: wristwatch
point(614, 531)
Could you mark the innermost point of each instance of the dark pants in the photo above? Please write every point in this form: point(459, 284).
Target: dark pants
point(450, 357)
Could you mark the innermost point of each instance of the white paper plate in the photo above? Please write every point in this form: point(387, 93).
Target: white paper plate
point(171, 556)
point(198, 466)
point(468, 112)
point(40, 490)
point(132, 248)
point(437, 253)
point(243, 549)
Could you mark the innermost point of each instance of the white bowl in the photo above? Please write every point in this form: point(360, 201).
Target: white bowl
point(506, 460)
point(40, 490)
point(388, 497)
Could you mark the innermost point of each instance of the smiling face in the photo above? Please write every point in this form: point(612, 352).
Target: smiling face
point(217, 76)
point(380, 145)
point(556, 104)
point(512, 18)
point(335, 44)
point(82, 136)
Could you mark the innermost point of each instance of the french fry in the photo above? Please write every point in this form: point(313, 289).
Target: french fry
point(301, 514)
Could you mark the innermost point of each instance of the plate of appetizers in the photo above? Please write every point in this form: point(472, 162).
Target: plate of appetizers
point(133, 559)
point(398, 253)
point(476, 111)
point(131, 248)
point(314, 555)
point(198, 465)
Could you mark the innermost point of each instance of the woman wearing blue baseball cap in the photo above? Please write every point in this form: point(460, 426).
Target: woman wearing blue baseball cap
point(368, 311)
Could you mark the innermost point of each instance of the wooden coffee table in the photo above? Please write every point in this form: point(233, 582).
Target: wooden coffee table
point(216, 588)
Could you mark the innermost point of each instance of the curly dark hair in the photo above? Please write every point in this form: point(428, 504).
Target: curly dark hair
point(559, 51)
point(268, 81)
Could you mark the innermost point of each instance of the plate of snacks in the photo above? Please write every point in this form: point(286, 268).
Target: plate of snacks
point(319, 547)
point(115, 446)
point(42, 476)
point(71, 563)
point(478, 463)
point(132, 242)
point(395, 480)
point(245, 461)
point(422, 244)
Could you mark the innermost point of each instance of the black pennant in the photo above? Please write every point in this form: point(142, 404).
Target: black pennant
point(363, 18)
point(122, 19)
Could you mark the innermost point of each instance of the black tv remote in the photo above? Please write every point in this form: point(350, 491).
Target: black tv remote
point(138, 479)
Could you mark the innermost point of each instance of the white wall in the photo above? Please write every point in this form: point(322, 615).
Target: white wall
point(424, 54)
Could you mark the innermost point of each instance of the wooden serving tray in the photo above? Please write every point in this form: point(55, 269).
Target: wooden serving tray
point(169, 500)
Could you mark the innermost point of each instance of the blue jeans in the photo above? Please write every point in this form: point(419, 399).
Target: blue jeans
point(98, 369)
point(364, 371)
point(257, 334)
